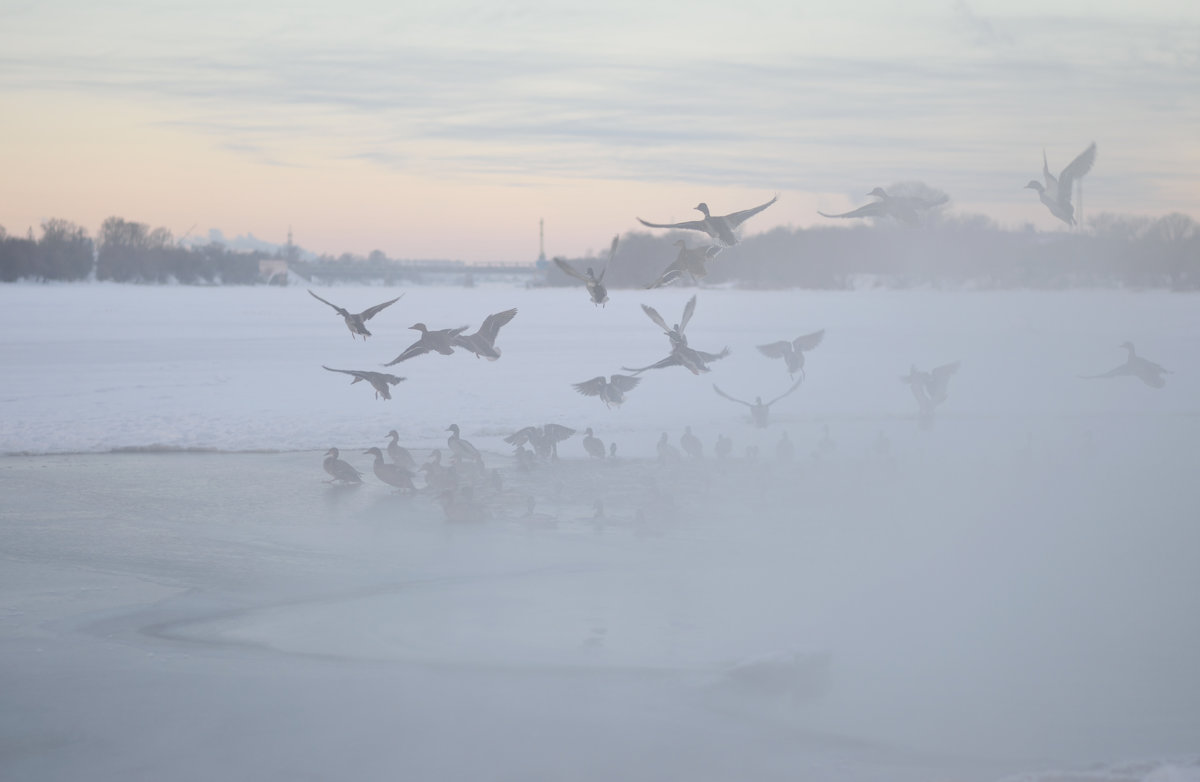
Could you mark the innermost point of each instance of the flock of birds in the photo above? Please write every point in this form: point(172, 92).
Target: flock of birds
point(929, 388)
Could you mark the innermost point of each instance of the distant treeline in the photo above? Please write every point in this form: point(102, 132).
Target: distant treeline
point(946, 251)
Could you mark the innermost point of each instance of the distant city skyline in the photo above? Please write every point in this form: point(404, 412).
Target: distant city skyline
point(449, 131)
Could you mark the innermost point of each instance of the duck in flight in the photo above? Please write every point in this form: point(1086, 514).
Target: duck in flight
point(723, 228)
point(440, 341)
point(1143, 369)
point(690, 261)
point(760, 411)
point(483, 342)
point(611, 391)
point(906, 209)
point(378, 380)
point(1056, 193)
point(595, 285)
point(357, 323)
point(792, 352)
point(930, 388)
point(695, 361)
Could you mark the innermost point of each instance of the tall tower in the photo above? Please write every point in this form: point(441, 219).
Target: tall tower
point(541, 240)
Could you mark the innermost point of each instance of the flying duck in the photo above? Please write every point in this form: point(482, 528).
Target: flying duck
point(1143, 369)
point(358, 323)
point(611, 391)
point(722, 229)
point(340, 470)
point(696, 361)
point(792, 352)
point(391, 474)
point(378, 380)
point(440, 341)
point(1056, 193)
point(483, 342)
point(690, 261)
point(760, 411)
point(595, 285)
point(906, 209)
point(930, 388)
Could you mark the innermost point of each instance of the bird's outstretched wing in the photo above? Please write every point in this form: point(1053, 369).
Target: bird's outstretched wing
point(371, 312)
point(669, 275)
point(330, 303)
point(412, 351)
point(653, 315)
point(785, 393)
point(357, 375)
point(775, 349)
point(624, 383)
point(492, 323)
point(688, 310)
point(730, 398)
point(694, 225)
point(593, 387)
point(873, 209)
point(569, 269)
point(737, 218)
point(1121, 370)
point(707, 357)
point(522, 436)
point(808, 341)
point(557, 432)
point(1074, 170)
point(670, 361)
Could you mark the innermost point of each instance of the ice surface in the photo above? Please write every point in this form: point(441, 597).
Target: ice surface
point(1011, 593)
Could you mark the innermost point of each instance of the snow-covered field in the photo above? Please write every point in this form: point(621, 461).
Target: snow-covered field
point(1013, 591)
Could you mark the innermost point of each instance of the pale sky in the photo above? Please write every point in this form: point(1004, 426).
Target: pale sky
point(448, 131)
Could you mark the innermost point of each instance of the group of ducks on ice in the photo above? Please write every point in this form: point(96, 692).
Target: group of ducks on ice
point(929, 388)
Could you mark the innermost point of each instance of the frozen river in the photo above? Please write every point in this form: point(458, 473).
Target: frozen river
point(1010, 592)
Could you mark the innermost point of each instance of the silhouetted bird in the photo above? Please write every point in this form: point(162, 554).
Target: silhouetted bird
point(1056, 193)
point(690, 261)
point(398, 453)
point(440, 341)
point(391, 474)
point(483, 342)
point(1143, 369)
point(691, 443)
point(760, 411)
point(906, 209)
point(460, 449)
point(340, 469)
point(595, 285)
point(930, 388)
point(724, 447)
point(722, 228)
point(792, 352)
point(544, 439)
point(378, 380)
point(593, 444)
point(358, 323)
point(695, 361)
point(611, 391)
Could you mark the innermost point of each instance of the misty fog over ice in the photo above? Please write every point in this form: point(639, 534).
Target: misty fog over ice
point(1012, 592)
